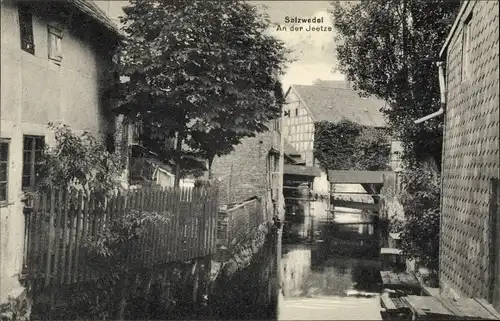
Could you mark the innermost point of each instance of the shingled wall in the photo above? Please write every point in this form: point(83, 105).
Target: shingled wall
point(471, 161)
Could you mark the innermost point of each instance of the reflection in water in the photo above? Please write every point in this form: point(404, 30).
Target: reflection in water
point(333, 276)
point(342, 257)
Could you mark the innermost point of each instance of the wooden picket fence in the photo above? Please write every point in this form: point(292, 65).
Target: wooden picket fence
point(237, 220)
point(59, 223)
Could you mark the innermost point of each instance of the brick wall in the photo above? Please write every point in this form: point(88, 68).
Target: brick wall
point(244, 172)
point(471, 158)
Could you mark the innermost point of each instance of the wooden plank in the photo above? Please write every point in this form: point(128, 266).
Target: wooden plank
point(121, 203)
point(357, 177)
point(78, 236)
point(389, 305)
point(159, 227)
point(488, 307)
point(71, 243)
point(32, 238)
point(134, 204)
point(213, 199)
point(152, 230)
point(142, 246)
point(50, 240)
point(429, 305)
point(207, 210)
point(175, 228)
point(91, 231)
point(168, 243)
point(301, 170)
point(415, 308)
point(164, 230)
point(177, 232)
point(156, 229)
point(201, 227)
point(160, 256)
point(473, 308)
point(64, 224)
point(192, 226)
point(145, 243)
point(85, 219)
point(393, 279)
point(450, 306)
point(356, 205)
point(43, 237)
point(58, 236)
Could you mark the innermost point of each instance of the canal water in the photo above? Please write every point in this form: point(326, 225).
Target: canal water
point(331, 258)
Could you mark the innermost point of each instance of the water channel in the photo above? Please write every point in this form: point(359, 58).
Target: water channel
point(331, 257)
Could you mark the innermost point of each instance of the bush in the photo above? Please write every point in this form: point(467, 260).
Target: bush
point(420, 227)
point(82, 162)
point(79, 162)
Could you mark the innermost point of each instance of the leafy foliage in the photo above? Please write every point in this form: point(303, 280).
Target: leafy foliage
point(78, 161)
point(201, 70)
point(349, 146)
point(15, 310)
point(388, 49)
point(420, 227)
point(82, 161)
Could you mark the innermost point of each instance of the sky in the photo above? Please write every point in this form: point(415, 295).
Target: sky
point(314, 51)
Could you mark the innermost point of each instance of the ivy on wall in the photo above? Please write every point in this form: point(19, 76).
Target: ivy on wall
point(347, 145)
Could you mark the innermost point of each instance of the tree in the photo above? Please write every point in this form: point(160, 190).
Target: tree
point(420, 227)
point(389, 49)
point(349, 146)
point(194, 69)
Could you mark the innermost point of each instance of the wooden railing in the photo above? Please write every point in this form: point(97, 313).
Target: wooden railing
point(236, 221)
point(59, 223)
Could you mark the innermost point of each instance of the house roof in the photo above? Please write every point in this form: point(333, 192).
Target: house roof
point(334, 104)
point(454, 27)
point(90, 9)
point(332, 83)
point(290, 152)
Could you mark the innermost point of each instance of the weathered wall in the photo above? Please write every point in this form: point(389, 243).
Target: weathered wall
point(470, 158)
point(245, 172)
point(299, 127)
point(35, 91)
point(247, 287)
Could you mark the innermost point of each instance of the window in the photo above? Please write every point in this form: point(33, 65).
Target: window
point(55, 44)
point(32, 160)
point(466, 48)
point(4, 170)
point(26, 30)
point(296, 111)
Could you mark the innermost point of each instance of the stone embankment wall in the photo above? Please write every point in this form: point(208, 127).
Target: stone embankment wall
point(246, 286)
